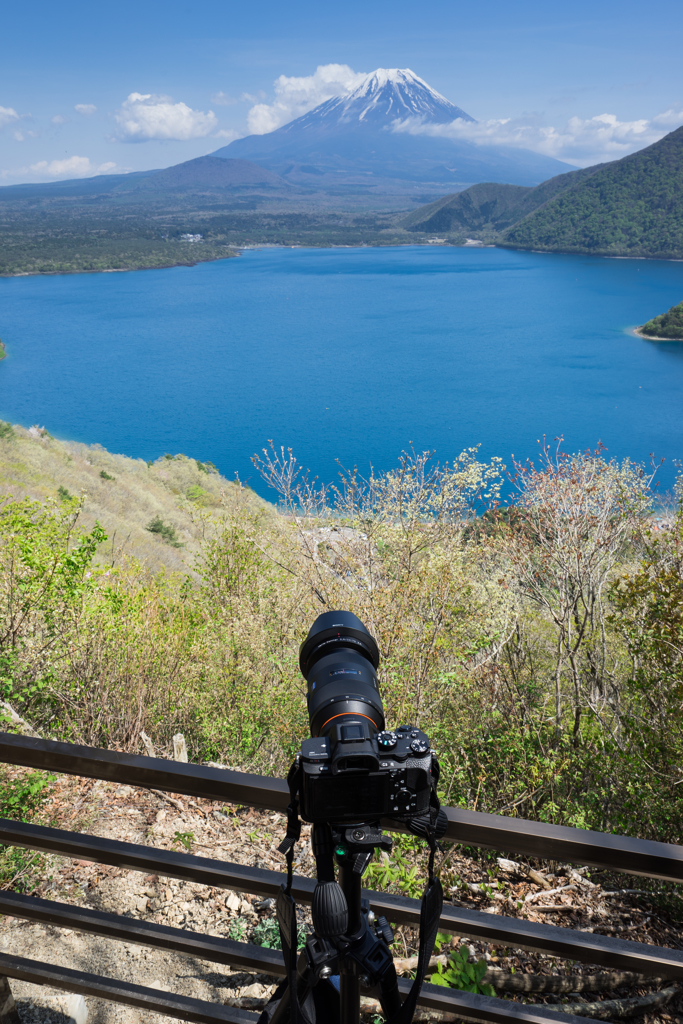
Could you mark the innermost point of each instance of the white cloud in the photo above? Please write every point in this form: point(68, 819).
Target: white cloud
point(670, 117)
point(59, 119)
point(221, 99)
point(296, 96)
point(581, 142)
point(7, 116)
point(70, 167)
point(85, 108)
point(228, 133)
point(144, 117)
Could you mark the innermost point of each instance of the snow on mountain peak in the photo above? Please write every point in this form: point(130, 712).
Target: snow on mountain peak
point(383, 97)
point(397, 77)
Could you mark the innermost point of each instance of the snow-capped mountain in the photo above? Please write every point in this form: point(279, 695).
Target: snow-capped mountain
point(352, 142)
point(383, 97)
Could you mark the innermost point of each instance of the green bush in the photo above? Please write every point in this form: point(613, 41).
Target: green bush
point(165, 531)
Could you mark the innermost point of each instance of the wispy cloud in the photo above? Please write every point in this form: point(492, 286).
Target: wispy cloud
point(296, 96)
point(144, 117)
point(221, 99)
point(59, 119)
point(51, 170)
point(580, 141)
point(228, 133)
point(85, 108)
point(7, 116)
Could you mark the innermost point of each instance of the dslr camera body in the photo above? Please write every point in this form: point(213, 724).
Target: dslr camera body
point(353, 769)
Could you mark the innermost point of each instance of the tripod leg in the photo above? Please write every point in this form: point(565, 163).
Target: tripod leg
point(389, 996)
point(349, 984)
point(349, 990)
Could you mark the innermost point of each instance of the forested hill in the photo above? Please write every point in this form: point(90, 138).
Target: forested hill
point(489, 207)
point(632, 207)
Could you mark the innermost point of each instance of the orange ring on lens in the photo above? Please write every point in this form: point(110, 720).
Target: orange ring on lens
point(342, 715)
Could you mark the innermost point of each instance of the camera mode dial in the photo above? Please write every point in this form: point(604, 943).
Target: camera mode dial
point(419, 746)
point(386, 740)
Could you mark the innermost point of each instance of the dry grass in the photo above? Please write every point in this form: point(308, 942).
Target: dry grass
point(176, 490)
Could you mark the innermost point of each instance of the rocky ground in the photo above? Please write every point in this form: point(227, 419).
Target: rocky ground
point(556, 894)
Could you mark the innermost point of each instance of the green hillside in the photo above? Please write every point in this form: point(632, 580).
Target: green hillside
point(667, 325)
point(172, 495)
point(632, 207)
point(489, 208)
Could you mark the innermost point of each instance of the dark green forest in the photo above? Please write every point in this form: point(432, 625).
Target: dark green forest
point(667, 325)
point(632, 207)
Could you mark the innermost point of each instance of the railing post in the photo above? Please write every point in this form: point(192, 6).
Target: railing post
point(8, 1008)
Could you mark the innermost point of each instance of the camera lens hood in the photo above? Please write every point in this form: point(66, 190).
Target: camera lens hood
point(332, 631)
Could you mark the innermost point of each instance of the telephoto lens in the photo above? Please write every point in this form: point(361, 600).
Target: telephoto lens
point(339, 660)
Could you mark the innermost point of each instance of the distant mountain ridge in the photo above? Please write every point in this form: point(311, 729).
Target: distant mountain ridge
point(204, 173)
point(352, 141)
point(629, 207)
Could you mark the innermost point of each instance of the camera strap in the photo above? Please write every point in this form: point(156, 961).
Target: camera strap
point(285, 905)
point(431, 828)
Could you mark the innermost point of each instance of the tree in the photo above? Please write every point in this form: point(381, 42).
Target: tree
point(575, 515)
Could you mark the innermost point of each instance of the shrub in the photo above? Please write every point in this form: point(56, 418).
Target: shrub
point(165, 531)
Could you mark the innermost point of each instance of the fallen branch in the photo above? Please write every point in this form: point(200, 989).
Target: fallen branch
point(558, 985)
point(618, 1007)
point(554, 984)
point(169, 799)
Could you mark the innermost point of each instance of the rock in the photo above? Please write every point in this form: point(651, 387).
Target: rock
point(254, 991)
point(77, 1009)
point(232, 901)
point(141, 904)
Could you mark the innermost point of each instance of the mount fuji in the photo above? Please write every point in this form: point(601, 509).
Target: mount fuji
point(355, 142)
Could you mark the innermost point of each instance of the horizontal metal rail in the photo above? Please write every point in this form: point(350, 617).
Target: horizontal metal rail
point(492, 831)
point(586, 947)
point(465, 1004)
point(242, 955)
point(486, 1008)
point(196, 1010)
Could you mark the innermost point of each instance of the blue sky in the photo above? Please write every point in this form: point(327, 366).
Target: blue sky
point(200, 75)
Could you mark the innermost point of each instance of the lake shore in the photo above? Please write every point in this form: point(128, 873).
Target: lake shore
point(142, 258)
point(649, 337)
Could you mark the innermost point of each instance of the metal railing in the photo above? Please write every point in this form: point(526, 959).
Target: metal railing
point(618, 853)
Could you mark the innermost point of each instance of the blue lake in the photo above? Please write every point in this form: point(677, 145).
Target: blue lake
point(349, 354)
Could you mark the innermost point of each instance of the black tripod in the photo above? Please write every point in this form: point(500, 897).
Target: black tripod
point(349, 949)
point(348, 945)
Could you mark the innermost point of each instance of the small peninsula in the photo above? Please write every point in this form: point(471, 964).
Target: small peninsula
point(666, 326)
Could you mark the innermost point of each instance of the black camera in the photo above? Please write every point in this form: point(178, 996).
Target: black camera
point(353, 768)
